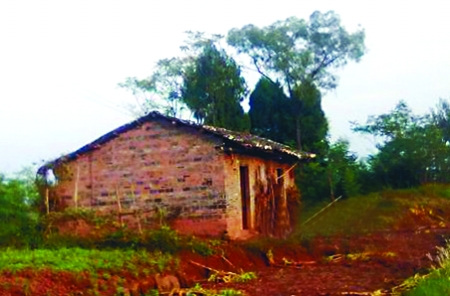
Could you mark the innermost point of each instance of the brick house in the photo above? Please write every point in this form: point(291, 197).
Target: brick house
point(199, 179)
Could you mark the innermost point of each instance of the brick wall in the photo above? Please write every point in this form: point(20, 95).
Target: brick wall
point(154, 168)
point(160, 170)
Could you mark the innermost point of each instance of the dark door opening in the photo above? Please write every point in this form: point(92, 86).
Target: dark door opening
point(245, 196)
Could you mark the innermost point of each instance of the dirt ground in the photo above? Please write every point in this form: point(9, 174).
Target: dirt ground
point(375, 262)
point(337, 266)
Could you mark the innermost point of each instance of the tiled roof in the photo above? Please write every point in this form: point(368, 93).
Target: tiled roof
point(244, 140)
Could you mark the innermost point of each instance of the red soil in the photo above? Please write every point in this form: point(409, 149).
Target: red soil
point(390, 258)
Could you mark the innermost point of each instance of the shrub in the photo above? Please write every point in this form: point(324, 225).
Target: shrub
point(163, 239)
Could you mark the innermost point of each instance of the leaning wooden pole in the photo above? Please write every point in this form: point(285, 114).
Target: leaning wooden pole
point(323, 209)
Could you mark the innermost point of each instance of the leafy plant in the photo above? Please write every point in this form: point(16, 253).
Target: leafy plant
point(435, 283)
point(17, 212)
point(79, 260)
point(164, 239)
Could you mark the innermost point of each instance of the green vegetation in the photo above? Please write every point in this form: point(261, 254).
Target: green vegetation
point(199, 290)
point(437, 282)
point(18, 213)
point(212, 101)
point(110, 236)
point(413, 150)
point(295, 59)
point(231, 277)
point(375, 212)
point(79, 260)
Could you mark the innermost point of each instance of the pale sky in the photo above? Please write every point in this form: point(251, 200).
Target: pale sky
point(61, 61)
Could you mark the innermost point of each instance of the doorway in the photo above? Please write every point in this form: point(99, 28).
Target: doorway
point(245, 196)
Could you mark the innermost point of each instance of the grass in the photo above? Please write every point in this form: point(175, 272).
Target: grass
point(373, 212)
point(79, 260)
point(437, 282)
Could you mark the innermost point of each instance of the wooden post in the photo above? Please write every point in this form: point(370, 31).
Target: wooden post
point(119, 206)
point(137, 212)
point(75, 192)
point(47, 206)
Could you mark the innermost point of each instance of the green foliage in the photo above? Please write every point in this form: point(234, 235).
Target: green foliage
point(437, 282)
point(230, 292)
point(245, 277)
point(213, 89)
point(270, 113)
point(299, 51)
point(413, 149)
point(230, 277)
point(106, 234)
point(312, 126)
point(199, 290)
point(18, 197)
point(349, 216)
point(300, 54)
point(205, 80)
point(296, 120)
point(164, 239)
point(342, 170)
point(162, 90)
point(370, 213)
point(72, 214)
point(313, 182)
point(201, 247)
point(79, 260)
point(441, 118)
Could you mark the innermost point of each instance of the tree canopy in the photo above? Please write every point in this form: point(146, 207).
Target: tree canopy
point(295, 59)
point(213, 89)
point(300, 54)
point(413, 149)
point(296, 51)
point(206, 81)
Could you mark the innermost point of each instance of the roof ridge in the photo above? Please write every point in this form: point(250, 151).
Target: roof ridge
point(244, 139)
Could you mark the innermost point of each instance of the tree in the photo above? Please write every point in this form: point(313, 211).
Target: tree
point(300, 54)
point(441, 118)
point(412, 151)
point(271, 113)
point(342, 170)
point(297, 51)
point(213, 89)
point(204, 80)
point(162, 90)
point(311, 125)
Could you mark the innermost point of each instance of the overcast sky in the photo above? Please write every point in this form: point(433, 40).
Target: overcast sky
point(61, 61)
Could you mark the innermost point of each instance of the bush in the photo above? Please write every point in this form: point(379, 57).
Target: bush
point(19, 218)
point(163, 239)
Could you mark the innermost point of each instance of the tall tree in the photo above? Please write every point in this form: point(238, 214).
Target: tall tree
point(204, 80)
point(271, 113)
point(213, 89)
point(297, 52)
